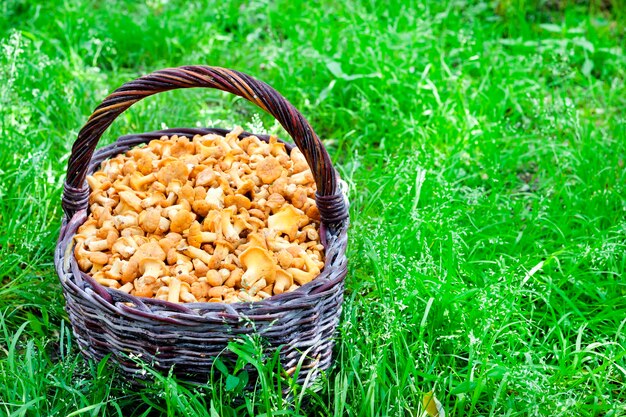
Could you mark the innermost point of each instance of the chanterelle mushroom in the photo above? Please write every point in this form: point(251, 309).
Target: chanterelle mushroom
point(181, 221)
point(299, 161)
point(258, 264)
point(286, 221)
point(300, 276)
point(174, 170)
point(150, 250)
point(86, 258)
point(151, 221)
point(131, 199)
point(138, 181)
point(144, 286)
point(197, 253)
point(151, 267)
point(269, 169)
point(284, 280)
point(197, 237)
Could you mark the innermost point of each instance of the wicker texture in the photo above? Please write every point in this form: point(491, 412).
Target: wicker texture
point(188, 337)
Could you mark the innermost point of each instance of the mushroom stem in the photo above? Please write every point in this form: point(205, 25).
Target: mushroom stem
point(284, 280)
point(85, 257)
point(197, 253)
point(111, 283)
point(174, 293)
point(260, 284)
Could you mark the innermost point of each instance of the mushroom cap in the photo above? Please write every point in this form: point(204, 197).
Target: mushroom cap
point(162, 146)
point(144, 286)
point(152, 267)
point(275, 201)
point(94, 183)
point(200, 289)
point(205, 177)
point(174, 186)
point(302, 178)
point(211, 221)
point(169, 241)
point(284, 258)
point(100, 196)
point(153, 199)
point(115, 272)
point(256, 239)
point(222, 249)
point(149, 219)
point(277, 148)
point(214, 278)
point(278, 243)
point(240, 224)
point(111, 235)
point(241, 201)
point(194, 236)
point(187, 193)
point(129, 271)
point(144, 163)
point(299, 197)
point(258, 264)
point(269, 170)
point(215, 198)
point(150, 250)
point(234, 280)
point(201, 207)
point(182, 147)
point(173, 170)
point(246, 187)
point(98, 258)
point(182, 220)
point(286, 221)
point(311, 265)
point(131, 199)
point(299, 161)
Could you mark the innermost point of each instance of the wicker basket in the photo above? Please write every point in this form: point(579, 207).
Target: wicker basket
point(187, 337)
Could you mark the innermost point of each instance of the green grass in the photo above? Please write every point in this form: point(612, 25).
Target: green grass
point(484, 145)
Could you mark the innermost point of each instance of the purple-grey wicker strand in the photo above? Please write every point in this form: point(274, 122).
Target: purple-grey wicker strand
point(75, 199)
point(332, 208)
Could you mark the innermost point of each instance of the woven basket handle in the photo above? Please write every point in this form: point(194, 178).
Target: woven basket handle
point(329, 198)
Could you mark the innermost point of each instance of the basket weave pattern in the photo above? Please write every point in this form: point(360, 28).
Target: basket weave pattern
point(188, 337)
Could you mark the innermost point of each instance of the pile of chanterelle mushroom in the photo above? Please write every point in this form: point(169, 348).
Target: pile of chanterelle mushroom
point(213, 219)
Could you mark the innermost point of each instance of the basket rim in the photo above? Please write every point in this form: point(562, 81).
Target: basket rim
point(171, 312)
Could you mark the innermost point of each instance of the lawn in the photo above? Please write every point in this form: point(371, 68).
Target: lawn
point(483, 143)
